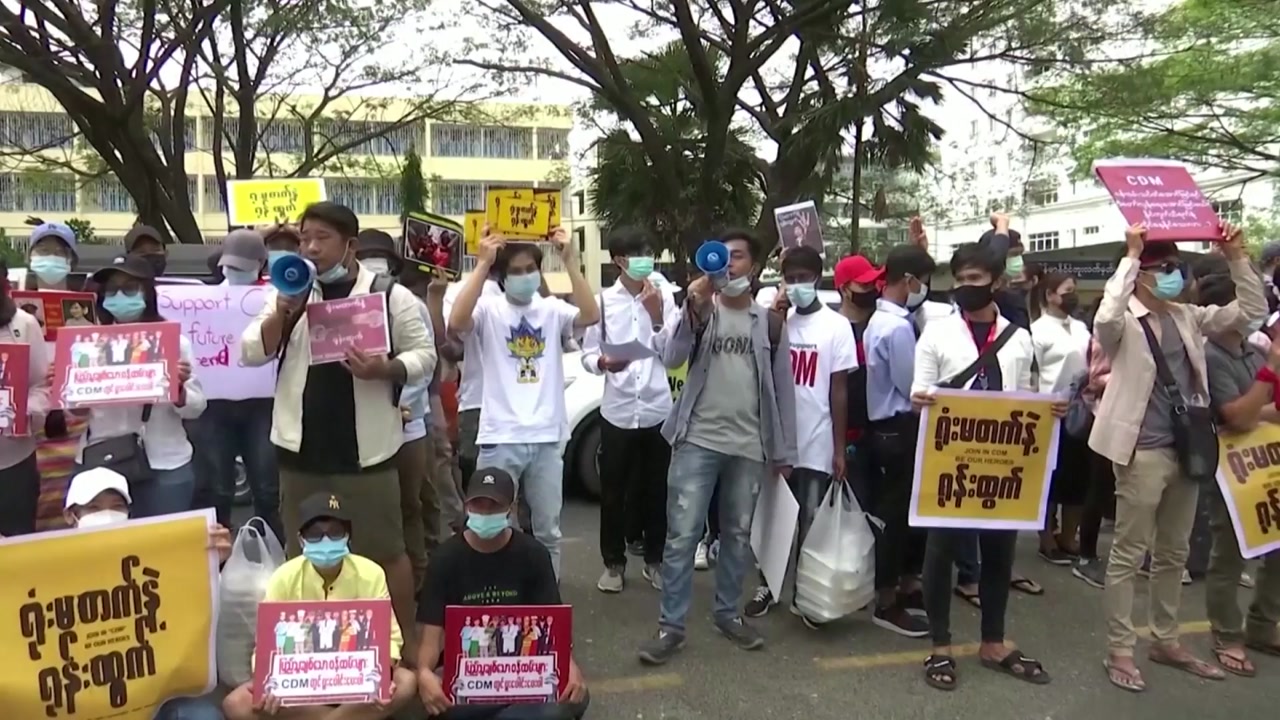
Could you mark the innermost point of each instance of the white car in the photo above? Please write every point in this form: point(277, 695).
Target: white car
point(583, 392)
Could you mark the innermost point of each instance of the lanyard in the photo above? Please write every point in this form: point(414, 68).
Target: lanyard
point(991, 335)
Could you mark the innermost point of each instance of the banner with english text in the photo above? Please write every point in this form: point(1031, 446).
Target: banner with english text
point(128, 626)
point(1249, 478)
point(506, 653)
point(984, 460)
point(213, 317)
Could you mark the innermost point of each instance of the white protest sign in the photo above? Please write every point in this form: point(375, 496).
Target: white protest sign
point(213, 318)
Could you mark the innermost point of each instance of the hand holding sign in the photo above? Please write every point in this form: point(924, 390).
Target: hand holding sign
point(490, 243)
point(1232, 241)
point(564, 246)
point(365, 366)
point(1135, 239)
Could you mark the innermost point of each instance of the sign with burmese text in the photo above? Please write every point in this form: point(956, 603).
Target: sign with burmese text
point(1249, 478)
point(984, 460)
point(1162, 195)
point(131, 364)
point(128, 627)
point(323, 653)
point(15, 389)
point(506, 653)
point(57, 308)
point(213, 317)
point(335, 326)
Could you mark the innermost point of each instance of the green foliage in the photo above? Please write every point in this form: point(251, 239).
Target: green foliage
point(11, 256)
point(413, 188)
point(83, 230)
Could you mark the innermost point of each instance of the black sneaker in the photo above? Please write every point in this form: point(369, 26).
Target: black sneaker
point(1092, 571)
point(1055, 556)
point(912, 601)
point(759, 603)
point(808, 622)
point(742, 634)
point(898, 619)
point(661, 648)
point(635, 548)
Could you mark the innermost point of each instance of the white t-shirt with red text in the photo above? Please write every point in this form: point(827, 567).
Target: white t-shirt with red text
point(822, 343)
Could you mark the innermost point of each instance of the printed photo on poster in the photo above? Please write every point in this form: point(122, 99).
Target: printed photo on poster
point(434, 242)
point(129, 364)
point(507, 653)
point(129, 627)
point(15, 381)
point(335, 326)
point(799, 225)
point(55, 309)
point(1162, 195)
point(1249, 480)
point(323, 653)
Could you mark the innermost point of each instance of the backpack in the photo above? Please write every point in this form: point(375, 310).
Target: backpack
point(1078, 421)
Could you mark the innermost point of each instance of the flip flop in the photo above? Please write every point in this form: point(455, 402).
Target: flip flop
point(1265, 648)
point(1123, 679)
point(1031, 670)
point(1191, 665)
point(1026, 585)
point(1235, 665)
point(971, 598)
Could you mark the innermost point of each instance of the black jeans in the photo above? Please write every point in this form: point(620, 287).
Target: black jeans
point(899, 547)
point(633, 485)
point(1101, 495)
point(240, 428)
point(19, 497)
point(944, 546)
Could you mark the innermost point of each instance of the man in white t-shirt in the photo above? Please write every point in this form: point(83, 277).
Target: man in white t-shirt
point(823, 351)
point(521, 358)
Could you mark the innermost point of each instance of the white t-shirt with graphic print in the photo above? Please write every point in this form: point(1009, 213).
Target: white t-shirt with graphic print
point(522, 365)
point(821, 343)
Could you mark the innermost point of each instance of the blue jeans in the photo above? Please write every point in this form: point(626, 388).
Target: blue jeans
point(538, 471)
point(242, 428)
point(196, 708)
point(167, 492)
point(691, 481)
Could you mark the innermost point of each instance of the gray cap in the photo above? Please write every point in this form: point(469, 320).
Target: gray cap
point(1270, 253)
point(243, 250)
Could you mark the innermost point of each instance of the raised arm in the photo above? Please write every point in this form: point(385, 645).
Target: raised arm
point(462, 318)
point(1108, 323)
point(583, 297)
point(1250, 304)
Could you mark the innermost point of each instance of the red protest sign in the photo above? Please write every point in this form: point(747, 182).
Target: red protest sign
point(15, 378)
point(506, 653)
point(359, 322)
point(1162, 195)
point(132, 364)
point(54, 309)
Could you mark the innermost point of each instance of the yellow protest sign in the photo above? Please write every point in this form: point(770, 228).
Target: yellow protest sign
point(1249, 478)
point(517, 213)
point(984, 461)
point(472, 227)
point(266, 201)
point(675, 378)
point(552, 200)
point(107, 622)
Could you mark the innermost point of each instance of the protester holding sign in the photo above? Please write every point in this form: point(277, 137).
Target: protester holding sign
point(19, 470)
point(977, 349)
point(1155, 426)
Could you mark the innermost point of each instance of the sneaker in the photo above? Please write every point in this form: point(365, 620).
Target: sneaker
point(1092, 572)
point(897, 619)
point(808, 622)
point(661, 648)
point(653, 574)
point(742, 634)
point(913, 602)
point(611, 581)
point(713, 551)
point(700, 559)
point(1186, 576)
point(759, 603)
point(635, 548)
point(1055, 556)
point(1246, 581)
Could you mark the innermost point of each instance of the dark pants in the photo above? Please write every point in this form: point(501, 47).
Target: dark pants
point(633, 484)
point(968, 562)
point(240, 428)
point(19, 497)
point(898, 549)
point(944, 547)
point(1102, 493)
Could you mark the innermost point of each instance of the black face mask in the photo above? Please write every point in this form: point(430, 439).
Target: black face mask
point(971, 298)
point(864, 300)
point(1070, 303)
point(158, 262)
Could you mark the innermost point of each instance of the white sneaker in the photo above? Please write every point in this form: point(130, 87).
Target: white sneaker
point(611, 581)
point(653, 574)
point(1246, 581)
point(700, 561)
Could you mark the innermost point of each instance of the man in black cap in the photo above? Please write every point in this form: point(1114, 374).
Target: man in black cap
point(147, 242)
point(489, 563)
point(377, 252)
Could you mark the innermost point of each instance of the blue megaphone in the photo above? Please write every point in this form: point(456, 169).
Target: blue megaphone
point(293, 275)
point(712, 258)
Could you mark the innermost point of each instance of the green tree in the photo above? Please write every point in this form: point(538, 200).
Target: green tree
point(413, 187)
point(1208, 95)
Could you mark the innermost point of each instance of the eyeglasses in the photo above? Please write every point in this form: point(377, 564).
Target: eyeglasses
point(1168, 266)
point(316, 535)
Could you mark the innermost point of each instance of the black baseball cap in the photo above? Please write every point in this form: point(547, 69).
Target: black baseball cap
point(135, 266)
point(375, 243)
point(493, 484)
point(320, 506)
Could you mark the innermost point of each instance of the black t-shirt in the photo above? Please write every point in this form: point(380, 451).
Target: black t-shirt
point(328, 413)
point(458, 574)
point(856, 387)
point(989, 377)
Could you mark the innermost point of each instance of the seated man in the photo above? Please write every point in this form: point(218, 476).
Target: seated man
point(486, 564)
point(326, 570)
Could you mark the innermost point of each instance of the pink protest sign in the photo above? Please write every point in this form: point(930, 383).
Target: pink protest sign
point(334, 326)
point(1161, 194)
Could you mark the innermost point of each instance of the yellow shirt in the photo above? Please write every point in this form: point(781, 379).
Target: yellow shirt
point(359, 579)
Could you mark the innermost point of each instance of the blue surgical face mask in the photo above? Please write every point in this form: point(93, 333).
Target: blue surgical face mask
point(1168, 284)
point(236, 276)
point(50, 268)
point(274, 255)
point(487, 527)
point(325, 552)
point(801, 295)
point(335, 274)
point(124, 308)
point(639, 268)
point(522, 288)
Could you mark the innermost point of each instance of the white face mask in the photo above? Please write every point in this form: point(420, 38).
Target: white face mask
point(101, 518)
point(379, 266)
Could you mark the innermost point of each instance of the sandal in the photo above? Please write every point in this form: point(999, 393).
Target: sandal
point(1236, 664)
point(1124, 679)
point(940, 672)
point(1026, 585)
point(971, 598)
point(1266, 648)
point(1020, 666)
point(1188, 664)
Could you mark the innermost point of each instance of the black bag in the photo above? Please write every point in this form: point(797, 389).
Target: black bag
point(124, 454)
point(985, 357)
point(1195, 434)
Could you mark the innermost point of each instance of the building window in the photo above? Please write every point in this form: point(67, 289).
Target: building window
point(456, 198)
point(991, 166)
point(107, 195)
point(1039, 242)
point(212, 197)
point(1229, 211)
point(509, 143)
point(36, 131)
point(1043, 191)
point(1092, 230)
point(365, 196)
point(381, 138)
point(481, 142)
point(553, 144)
point(282, 136)
point(35, 194)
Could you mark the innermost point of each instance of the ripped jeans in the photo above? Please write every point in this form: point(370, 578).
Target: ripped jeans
point(691, 481)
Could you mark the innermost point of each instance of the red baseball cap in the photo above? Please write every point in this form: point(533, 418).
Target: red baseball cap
point(857, 269)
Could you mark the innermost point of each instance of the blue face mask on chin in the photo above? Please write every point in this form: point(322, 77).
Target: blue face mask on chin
point(1168, 285)
point(124, 308)
point(325, 552)
point(487, 527)
point(335, 274)
point(522, 288)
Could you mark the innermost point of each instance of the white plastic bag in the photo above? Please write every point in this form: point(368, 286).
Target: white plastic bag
point(836, 574)
point(254, 557)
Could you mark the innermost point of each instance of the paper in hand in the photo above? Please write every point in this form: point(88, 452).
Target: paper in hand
point(631, 351)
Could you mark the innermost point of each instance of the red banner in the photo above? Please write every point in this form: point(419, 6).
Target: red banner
point(507, 653)
point(15, 382)
point(132, 364)
point(55, 309)
point(1162, 195)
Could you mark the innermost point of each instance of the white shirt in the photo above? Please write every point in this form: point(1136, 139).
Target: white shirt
point(1061, 345)
point(946, 348)
point(164, 438)
point(523, 369)
point(822, 343)
point(469, 387)
point(639, 396)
